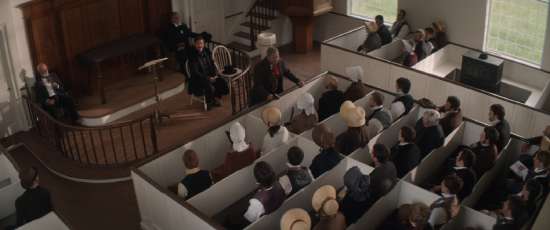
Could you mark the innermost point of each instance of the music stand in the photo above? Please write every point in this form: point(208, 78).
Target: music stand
point(154, 66)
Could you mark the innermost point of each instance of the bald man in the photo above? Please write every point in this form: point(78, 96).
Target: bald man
point(52, 96)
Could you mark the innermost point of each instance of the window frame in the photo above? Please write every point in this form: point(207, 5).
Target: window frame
point(364, 17)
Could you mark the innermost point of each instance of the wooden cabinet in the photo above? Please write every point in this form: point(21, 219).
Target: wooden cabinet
point(60, 30)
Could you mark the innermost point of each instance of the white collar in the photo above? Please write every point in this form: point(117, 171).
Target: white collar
point(446, 195)
point(459, 167)
point(192, 171)
point(289, 165)
point(495, 122)
point(240, 146)
point(404, 143)
point(538, 170)
point(377, 107)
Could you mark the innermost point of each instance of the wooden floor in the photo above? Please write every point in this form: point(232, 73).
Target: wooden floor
point(113, 206)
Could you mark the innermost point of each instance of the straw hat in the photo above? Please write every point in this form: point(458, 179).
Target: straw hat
point(353, 115)
point(324, 200)
point(271, 115)
point(296, 219)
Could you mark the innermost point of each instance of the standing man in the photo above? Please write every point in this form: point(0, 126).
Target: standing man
point(52, 96)
point(268, 77)
point(177, 39)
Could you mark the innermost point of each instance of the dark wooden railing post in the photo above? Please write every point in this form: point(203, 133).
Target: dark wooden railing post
point(153, 134)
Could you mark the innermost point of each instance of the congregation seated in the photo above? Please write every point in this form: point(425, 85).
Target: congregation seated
point(463, 168)
point(440, 39)
point(406, 154)
point(325, 204)
point(449, 188)
point(356, 136)
point(486, 150)
point(53, 97)
point(35, 202)
point(443, 210)
point(242, 154)
point(268, 197)
point(408, 217)
point(296, 176)
point(196, 180)
point(373, 40)
point(356, 90)
point(429, 134)
point(428, 45)
point(403, 102)
point(496, 118)
point(451, 115)
point(204, 79)
point(539, 172)
point(384, 175)
point(383, 31)
point(307, 118)
point(400, 28)
point(532, 195)
point(541, 142)
point(357, 199)
point(512, 215)
point(177, 39)
point(327, 158)
point(331, 100)
point(379, 118)
point(276, 133)
point(295, 219)
point(415, 49)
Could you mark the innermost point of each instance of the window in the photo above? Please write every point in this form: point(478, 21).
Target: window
point(371, 8)
point(517, 28)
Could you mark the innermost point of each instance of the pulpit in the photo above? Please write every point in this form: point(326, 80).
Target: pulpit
point(302, 13)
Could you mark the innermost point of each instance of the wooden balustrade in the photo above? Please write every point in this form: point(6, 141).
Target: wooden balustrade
point(259, 18)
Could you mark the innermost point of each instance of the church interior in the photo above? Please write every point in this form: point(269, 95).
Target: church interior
point(274, 114)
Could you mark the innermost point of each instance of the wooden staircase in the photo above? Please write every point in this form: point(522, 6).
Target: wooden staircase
point(258, 19)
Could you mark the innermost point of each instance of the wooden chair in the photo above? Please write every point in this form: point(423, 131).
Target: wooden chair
point(222, 58)
point(192, 98)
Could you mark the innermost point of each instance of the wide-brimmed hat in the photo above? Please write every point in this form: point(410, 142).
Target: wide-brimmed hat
point(271, 115)
point(296, 219)
point(324, 200)
point(353, 115)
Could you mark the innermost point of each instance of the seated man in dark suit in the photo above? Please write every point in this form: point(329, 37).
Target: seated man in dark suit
point(268, 77)
point(429, 134)
point(405, 155)
point(52, 96)
point(195, 180)
point(383, 30)
point(331, 100)
point(451, 115)
point(485, 150)
point(296, 176)
point(496, 117)
point(204, 79)
point(384, 175)
point(35, 201)
point(177, 39)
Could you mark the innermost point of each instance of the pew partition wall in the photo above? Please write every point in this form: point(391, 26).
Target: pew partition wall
point(161, 208)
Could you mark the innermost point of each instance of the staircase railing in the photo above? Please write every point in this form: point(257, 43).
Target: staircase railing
point(258, 18)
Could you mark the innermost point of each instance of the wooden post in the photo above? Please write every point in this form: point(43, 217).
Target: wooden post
point(303, 33)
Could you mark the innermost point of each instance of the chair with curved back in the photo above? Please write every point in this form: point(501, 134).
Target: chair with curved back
point(192, 97)
point(222, 58)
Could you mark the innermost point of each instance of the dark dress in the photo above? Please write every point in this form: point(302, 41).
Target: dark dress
point(503, 128)
point(33, 204)
point(201, 68)
point(383, 178)
point(235, 161)
point(267, 83)
point(428, 138)
point(329, 103)
point(469, 178)
point(355, 92)
point(196, 183)
point(354, 210)
point(62, 100)
point(408, 103)
point(177, 41)
point(384, 34)
point(485, 158)
point(405, 157)
point(302, 122)
point(324, 161)
point(352, 139)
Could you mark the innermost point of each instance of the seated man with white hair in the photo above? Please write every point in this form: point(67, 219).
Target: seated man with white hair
point(429, 134)
point(403, 102)
point(277, 134)
point(379, 118)
point(356, 90)
point(307, 118)
point(242, 154)
point(356, 136)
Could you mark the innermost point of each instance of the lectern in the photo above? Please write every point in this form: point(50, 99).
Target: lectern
point(302, 14)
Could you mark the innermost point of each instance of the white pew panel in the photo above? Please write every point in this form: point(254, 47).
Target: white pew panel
point(390, 51)
point(468, 217)
point(48, 222)
point(10, 187)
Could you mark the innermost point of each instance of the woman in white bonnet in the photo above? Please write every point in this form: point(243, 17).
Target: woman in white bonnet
point(307, 118)
point(242, 154)
point(356, 90)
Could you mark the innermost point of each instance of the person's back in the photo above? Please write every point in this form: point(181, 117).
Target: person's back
point(355, 91)
point(450, 121)
point(352, 139)
point(197, 182)
point(271, 198)
point(329, 103)
point(405, 157)
point(383, 116)
point(296, 176)
point(504, 130)
point(324, 161)
point(384, 34)
point(469, 179)
point(302, 122)
point(372, 42)
point(383, 178)
point(33, 204)
point(428, 138)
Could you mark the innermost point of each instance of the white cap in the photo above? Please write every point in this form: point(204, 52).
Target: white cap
point(355, 73)
point(306, 102)
point(238, 135)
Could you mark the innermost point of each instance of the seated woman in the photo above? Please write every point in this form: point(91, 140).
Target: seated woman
point(243, 153)
point(443, 210)
point(331, 100)
point(406, 154)
point(307, 118)
point(357, 199)
point(356, 90)
point(325, 204)
point(276, 133)
point(408, 217)
point(195, 180)
point(485, 150)
point(463, 168)
point(451, 115)
point(296, 176)
point(373, 40)
point(357, 134)
point(269, 196)
point(328, 157)
point(429, 134)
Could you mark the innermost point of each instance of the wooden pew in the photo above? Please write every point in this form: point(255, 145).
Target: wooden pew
point(468, 217)
point(10, 186)
point(393, 51)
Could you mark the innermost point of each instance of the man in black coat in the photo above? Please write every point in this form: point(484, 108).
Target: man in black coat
point(383, 30)
point(177, 39)
point(35, 201)
point(268, 77)
point(204, 79)
point(463, 168)
point(52, 96)
point(331, 100)
point(403, 102)
point(496, 117)
point(384, 175)
point(405, 155)
point(429, 134)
